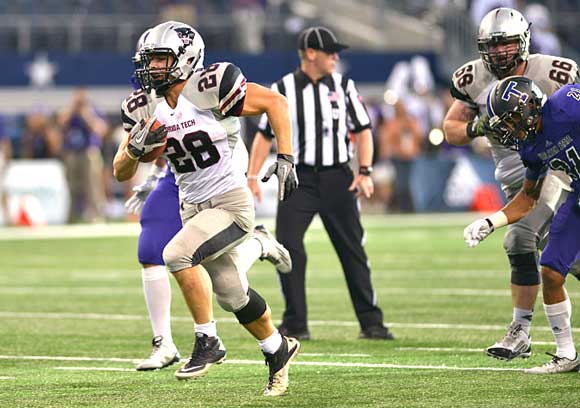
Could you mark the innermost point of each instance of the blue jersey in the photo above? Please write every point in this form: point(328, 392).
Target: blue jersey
point(557, 145)
point(160, 221)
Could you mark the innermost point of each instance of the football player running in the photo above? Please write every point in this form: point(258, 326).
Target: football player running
point(157, 202)
point(547, 136)
point(503, 43)
point(196, 107)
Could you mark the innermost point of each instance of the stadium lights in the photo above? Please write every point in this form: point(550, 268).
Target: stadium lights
point(436, 136)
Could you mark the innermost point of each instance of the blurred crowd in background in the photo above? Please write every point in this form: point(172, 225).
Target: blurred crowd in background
point(406, 120)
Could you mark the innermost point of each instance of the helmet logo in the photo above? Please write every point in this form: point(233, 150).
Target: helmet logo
point(511, 90)
point(185, 34)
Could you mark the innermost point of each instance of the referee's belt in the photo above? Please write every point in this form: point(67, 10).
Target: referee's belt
point(316, 169)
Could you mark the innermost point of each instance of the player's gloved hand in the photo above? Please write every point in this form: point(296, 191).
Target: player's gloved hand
point(286, 173)
point(142, 139)
point(477, 231)
point(135, 203)
point(479, 127)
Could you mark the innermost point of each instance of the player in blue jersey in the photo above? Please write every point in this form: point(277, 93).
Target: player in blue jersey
point(546, 133)
point(156, 199)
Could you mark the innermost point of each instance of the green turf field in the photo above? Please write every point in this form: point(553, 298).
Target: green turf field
point(73, 322)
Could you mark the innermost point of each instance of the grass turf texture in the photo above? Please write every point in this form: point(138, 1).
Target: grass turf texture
point(81, 297)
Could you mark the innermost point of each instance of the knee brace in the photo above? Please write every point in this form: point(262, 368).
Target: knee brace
point(525, 271)
point(253, 310)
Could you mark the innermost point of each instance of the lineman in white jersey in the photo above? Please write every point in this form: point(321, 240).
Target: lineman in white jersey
point(503, 42)
point(216, 206)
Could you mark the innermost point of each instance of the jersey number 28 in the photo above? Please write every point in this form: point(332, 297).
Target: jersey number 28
point(202, 150)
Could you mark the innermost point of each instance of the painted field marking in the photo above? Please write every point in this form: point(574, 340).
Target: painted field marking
point(335, 323)
point(94, 369)
point(323, 364)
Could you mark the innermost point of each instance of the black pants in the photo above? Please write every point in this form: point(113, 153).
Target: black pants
point(325, 192)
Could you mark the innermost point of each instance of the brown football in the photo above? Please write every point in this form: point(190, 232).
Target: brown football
point(155, 153)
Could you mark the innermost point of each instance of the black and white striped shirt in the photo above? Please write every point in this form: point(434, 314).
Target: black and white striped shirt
point(323, 115)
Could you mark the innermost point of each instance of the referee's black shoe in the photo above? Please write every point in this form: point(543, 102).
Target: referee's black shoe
point(378, 332)
point(300, 334)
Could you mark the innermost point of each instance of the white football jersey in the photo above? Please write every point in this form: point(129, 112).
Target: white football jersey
point(472, 83)
point(210, 103)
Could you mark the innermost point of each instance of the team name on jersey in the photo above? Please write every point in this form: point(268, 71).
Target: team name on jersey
point(181, 126)
point(555, 149)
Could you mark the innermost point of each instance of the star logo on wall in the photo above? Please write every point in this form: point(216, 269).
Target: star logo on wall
point(41, 71)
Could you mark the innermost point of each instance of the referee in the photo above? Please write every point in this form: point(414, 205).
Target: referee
point(325, 108)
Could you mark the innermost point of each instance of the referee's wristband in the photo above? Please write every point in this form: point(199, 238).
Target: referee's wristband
point(365, 170)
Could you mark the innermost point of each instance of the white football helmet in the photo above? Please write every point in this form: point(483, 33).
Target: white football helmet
point(175, 39)
point(500, 26)
point(140, 42)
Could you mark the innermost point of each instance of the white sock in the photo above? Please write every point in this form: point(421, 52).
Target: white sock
point(250, 251)
point(523, 317)
point(559, 316)
point(272, 343)
point(157, 290)
point(209, 328)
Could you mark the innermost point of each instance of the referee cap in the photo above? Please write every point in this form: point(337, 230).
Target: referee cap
point(320, 38)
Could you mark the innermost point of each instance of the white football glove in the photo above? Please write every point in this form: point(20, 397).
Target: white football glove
point(477, 231)
point(135, 203)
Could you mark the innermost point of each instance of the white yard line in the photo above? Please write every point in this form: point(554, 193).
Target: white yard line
point(132, 229)
point(323, 364)
point(63, 358)
point(335, 323)
point(95, 369)
point(132, 360)
point(443, 349)
point(4, 377)
point(256, 362)
point(334, 355)
point(115, 290)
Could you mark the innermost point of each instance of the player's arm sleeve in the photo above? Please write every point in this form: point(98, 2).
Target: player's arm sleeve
point(264, 125)
point(357, 115)
point(232, 91)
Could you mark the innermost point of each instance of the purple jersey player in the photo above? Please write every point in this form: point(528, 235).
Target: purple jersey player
point(157, 201)
point(546, 133)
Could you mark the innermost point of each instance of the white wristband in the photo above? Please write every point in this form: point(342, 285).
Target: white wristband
point(498, 219)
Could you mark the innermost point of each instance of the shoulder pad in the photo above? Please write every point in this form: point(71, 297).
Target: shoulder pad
point(564, 104)
point(138, 105)
point(551, 73)
point(470, 80)
point(221, 88)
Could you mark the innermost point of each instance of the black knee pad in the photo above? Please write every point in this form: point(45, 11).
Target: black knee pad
point(253, 310)
point(525, 271)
